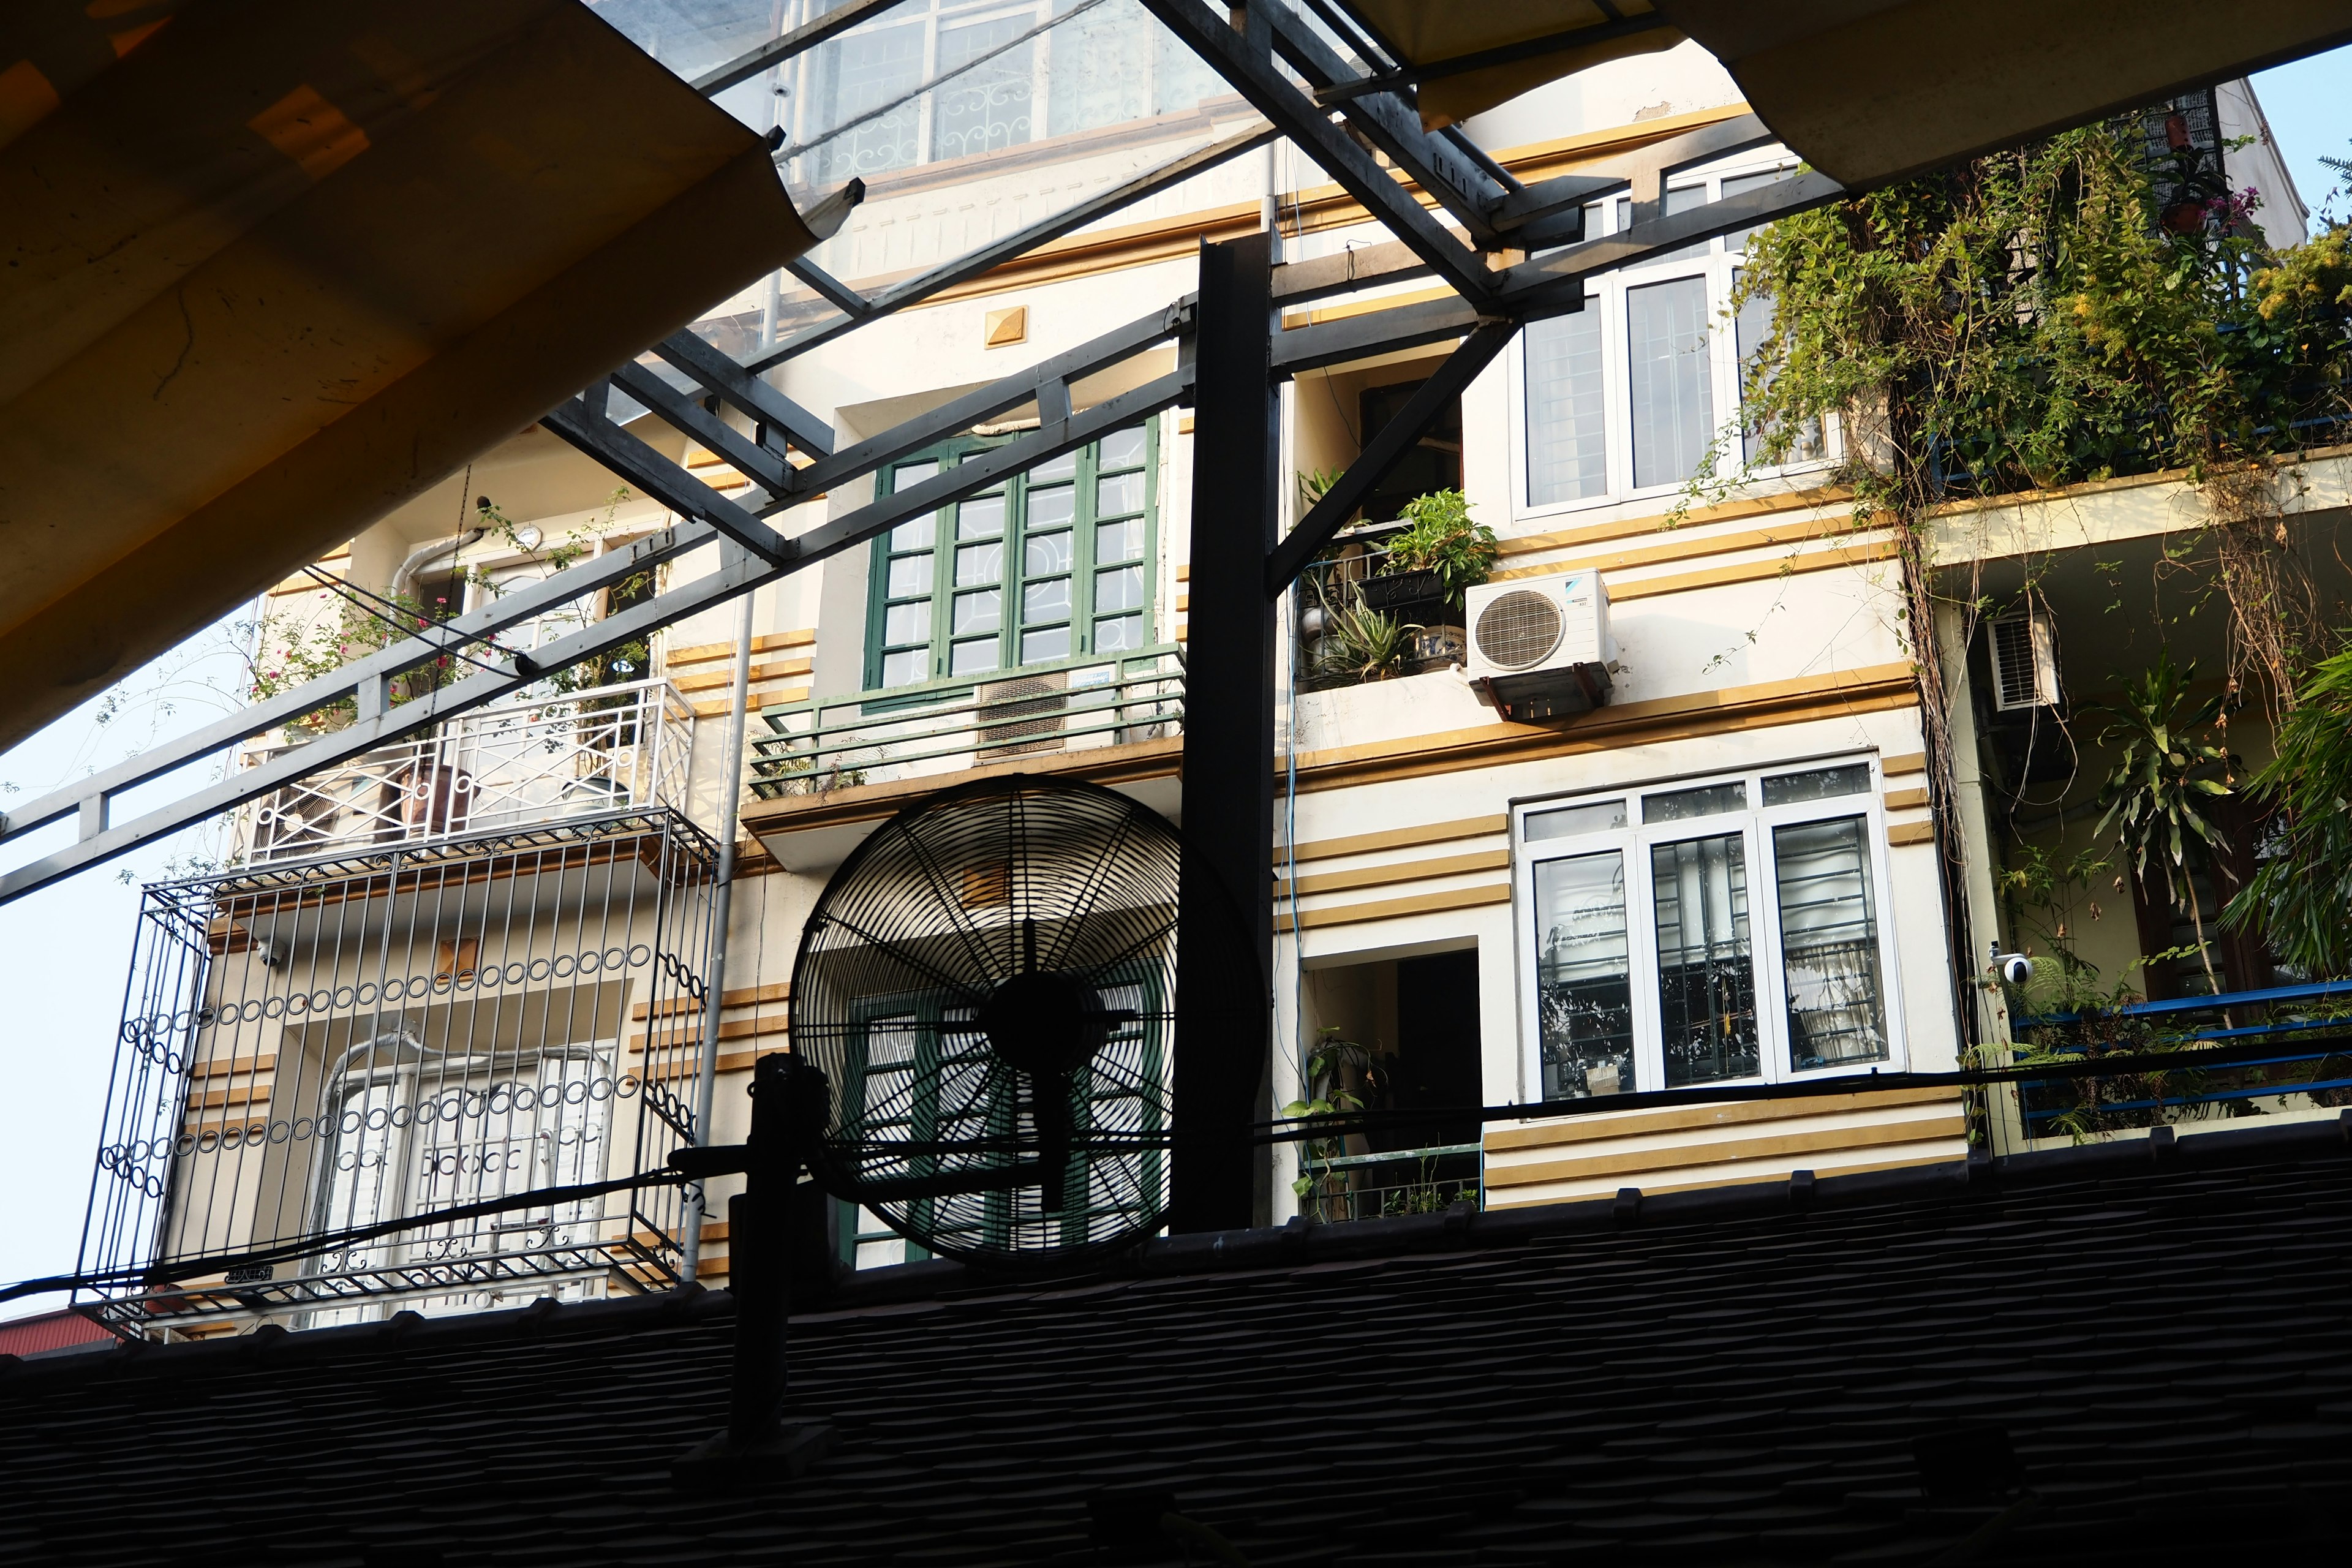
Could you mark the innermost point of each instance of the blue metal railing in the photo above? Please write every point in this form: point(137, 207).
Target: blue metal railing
point(2194, 1089)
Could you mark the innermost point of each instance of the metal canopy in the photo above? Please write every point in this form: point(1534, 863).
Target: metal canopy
point(285, 266)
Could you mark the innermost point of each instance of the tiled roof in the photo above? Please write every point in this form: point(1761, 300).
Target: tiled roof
point(2137, 1351)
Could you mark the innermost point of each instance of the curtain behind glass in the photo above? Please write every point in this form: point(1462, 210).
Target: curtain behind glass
point(1828, 944)
point(1584, 986)
point(1706, 966)
point(1567, 409)
point(1672, 384)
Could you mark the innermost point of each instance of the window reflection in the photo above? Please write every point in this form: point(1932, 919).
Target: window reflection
point(1706, 967)
point(1584, 983)
point(1828, 944)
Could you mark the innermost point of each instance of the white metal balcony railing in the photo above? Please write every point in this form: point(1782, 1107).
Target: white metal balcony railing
point(615, 748)
point(882, 737)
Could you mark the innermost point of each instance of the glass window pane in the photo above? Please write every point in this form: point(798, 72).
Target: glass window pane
point(1039, 646)
point(974, 657)
point(1046, 552)
point(911, 575)
point(868, 70)
point(1749, 330)
point(1046, 601)
point(1584, 986)
point(1828, 944)
point(1116, 493)
point(1708, 800)
point(986, 107)
point(1681, 201)
point(1099, 68)
point(907, 623)
point(1567, 409)
point(1120, 588)
point(907, 667)
point(1735, 184)
point(1707, 969)
point(1817, 784)
point(907, 476)
point(1671, 383)
point(915, 533)
point(1051, 508)
point(1119, 540)
point(1062, 468)
point(1122, 449)
point(1594, 816)
point(1118, 634)
point(982, 516)
point(979, 563)
point(979, 612)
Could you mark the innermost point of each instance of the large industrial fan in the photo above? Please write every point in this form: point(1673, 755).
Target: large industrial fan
point(989, 984)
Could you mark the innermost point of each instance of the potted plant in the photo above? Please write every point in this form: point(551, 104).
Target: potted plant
point(1360, 643)
point(1439, 558)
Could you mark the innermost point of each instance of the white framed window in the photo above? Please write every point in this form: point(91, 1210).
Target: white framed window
point(1622, 400)
point(1723, 930)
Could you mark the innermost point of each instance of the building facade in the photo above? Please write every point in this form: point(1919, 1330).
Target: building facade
point(1741, 869)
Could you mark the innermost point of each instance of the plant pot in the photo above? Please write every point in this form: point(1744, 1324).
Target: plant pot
point(1394, 590)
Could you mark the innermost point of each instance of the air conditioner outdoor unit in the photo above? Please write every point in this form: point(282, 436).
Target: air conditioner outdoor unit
point(1540, 647)
point(2024, 661)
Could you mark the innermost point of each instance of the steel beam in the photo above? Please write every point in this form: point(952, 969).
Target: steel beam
point(655, 475)
point(776, 51)
point(1438, 70)
point(856, 309)
point(1228, 871)
point(1383, 453)
point(1252, 73)
point(1530, 281)
point(744, 391)
point(763, 464)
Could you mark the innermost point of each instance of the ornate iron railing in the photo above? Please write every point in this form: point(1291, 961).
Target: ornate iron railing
point(315, 1051)
point(1386, 1183)
point(878, 737)
point(616, 748)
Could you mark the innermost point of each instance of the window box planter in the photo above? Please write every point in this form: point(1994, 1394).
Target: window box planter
point(1398, 593)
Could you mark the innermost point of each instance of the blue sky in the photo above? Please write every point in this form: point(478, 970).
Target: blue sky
point(2309, 105)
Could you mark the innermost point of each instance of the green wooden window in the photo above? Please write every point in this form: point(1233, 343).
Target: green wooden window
point(1054, 565)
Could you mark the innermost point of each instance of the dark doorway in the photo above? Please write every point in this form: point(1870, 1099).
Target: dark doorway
point(1437, 1066)
point(1433, 464)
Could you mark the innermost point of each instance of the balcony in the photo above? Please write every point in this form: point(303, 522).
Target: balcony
point(834, 767)
point(615, 749)
point(2308, 1073)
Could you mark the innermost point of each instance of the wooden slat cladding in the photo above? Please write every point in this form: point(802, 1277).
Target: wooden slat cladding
point(1705, 1146)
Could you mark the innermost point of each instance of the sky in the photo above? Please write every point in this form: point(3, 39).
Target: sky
point(65, 952)
point(2309, 106)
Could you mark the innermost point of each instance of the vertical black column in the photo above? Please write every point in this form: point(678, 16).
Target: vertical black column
point(1221, 985)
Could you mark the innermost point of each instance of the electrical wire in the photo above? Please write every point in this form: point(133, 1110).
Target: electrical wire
point(360, 598)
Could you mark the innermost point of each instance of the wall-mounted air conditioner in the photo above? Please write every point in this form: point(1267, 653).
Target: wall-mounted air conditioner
point(2024, 661)
point(1540, 647)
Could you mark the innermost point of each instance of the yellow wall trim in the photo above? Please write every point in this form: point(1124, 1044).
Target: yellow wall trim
point(1396, 909)
point(1397, 838)
point(1397, 871)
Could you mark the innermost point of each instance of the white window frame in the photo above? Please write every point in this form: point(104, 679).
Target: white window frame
point(1755, 823)
point(1606, 293)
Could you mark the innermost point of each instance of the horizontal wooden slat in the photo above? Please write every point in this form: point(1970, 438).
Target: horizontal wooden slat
point(1397, 871)
point(781, 669)
point(1700, 1177)
point(230, 1066)
point(743, 996)
point(1906, 799)
point(1720, 1152)
point(1903, 762)
point(1902, 833)
point(1395, 909)
point(1680, 1118)
point(752, 703)
point(702, 653)
point(732, 1029)
point(1397, 838)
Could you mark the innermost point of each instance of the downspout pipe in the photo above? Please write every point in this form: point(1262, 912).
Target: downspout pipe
point(403, 578)
point(705, 1070)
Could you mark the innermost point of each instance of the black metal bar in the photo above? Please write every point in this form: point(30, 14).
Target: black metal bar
point(836, 293)
point(1384, 452)
point(1212, 37)
point(763, 468)
point(775, 51)
point(1507, 54)
point(1381, 332)
point(664, 481)
point(1228, 771)
point(1461, 185)
point(759, 1250)
point(899, 295)
point(747, 391)
point(1530, 279)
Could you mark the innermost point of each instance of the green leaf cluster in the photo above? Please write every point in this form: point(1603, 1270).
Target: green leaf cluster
point(2301, 896)
point(1442, 539)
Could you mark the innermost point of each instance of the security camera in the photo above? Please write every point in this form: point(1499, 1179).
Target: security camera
point(2014, 968)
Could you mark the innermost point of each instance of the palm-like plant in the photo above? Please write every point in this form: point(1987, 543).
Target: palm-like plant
point(2301, 898)
point(2154, 796)
point(1361, 644)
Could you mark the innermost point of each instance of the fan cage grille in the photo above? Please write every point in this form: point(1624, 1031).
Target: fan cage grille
point(1518, 629)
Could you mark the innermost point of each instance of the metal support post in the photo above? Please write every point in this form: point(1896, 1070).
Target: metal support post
point(1217, 1174)
point(706, 1071)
